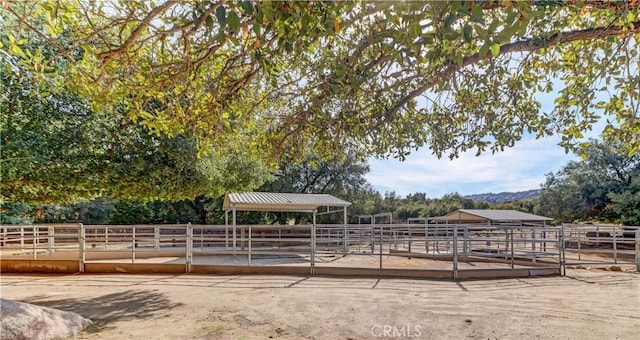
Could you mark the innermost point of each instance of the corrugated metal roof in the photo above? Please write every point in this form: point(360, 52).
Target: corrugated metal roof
point(496, 215)
point(272, 201)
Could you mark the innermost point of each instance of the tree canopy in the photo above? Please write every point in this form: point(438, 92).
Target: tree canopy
point(382, 78)
point(279, 81)
point(56, 148)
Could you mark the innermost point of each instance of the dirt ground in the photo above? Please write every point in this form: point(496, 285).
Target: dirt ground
point(586, 304)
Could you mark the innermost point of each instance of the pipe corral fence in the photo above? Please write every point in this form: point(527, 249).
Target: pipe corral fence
point(447, 251)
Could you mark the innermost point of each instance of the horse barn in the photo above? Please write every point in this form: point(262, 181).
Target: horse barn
point(463, 244)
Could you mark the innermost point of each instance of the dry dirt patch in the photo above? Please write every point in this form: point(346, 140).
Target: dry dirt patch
point(583, 305)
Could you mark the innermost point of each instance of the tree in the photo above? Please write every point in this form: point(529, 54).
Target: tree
point(627, 203)
point(55, 147)
point(600, 187)
point(343, 178)
point(320, 77)
point(449, 203)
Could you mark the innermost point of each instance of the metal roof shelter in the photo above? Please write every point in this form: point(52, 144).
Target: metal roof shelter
point(282, 202)
point(489, 216)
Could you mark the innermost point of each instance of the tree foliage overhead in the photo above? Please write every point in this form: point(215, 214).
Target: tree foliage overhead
point(56, 148)
point(287, 78)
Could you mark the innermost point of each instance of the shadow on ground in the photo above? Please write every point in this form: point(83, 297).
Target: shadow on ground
point(102, 310)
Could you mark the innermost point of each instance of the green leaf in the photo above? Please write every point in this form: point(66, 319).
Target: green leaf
point(247, 7)
point(416, 29)
point(451, 18)
point(477, 11)
point(221, 37)
point(482, 33)
point(234, 21)
point(221, 14)
point(464, 11)
point(495, 49)
point(467, 31)
point(459, 59)
point(209, 21)
point(16, 50)
point(484, 49)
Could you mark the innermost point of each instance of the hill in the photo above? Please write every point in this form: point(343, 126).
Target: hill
point(503, 197)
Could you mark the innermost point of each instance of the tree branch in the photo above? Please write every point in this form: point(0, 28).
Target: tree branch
point(526, 45)
point(108, 55)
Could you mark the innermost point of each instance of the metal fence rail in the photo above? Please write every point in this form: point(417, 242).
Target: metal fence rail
point(371, 246)
point(600, 244)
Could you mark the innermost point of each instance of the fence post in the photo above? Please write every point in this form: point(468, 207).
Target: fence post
point(373, 237)
point(345, 237)
point(50, 238)
point(562, 259)
point(533, 243)
point(638, 249)
point(242, 239)
point(512, 259)
point(615, 246)
point(156, 237)
point(249, 261)
point(381, 241)
point(81, 239)
point(189, 248)
point(21, 238)
point(455, 251)
point(34, 241)
point(313, 243)
point(410, 236)
point(133, 244)
point(465, 246)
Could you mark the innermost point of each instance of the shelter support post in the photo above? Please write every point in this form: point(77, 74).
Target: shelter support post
point(233, 217)
point(345, 234)
point(226, 229)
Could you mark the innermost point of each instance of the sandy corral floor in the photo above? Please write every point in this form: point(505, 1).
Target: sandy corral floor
point(586, 304)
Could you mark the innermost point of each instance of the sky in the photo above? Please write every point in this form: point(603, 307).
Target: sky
point(522, 167)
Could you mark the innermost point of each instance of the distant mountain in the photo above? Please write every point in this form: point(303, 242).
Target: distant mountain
point(503, 197)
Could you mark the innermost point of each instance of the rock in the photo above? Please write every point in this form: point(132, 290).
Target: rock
point(19, 320)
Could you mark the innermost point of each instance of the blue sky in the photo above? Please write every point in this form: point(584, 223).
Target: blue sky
point(519, 168)
point(522, 167)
